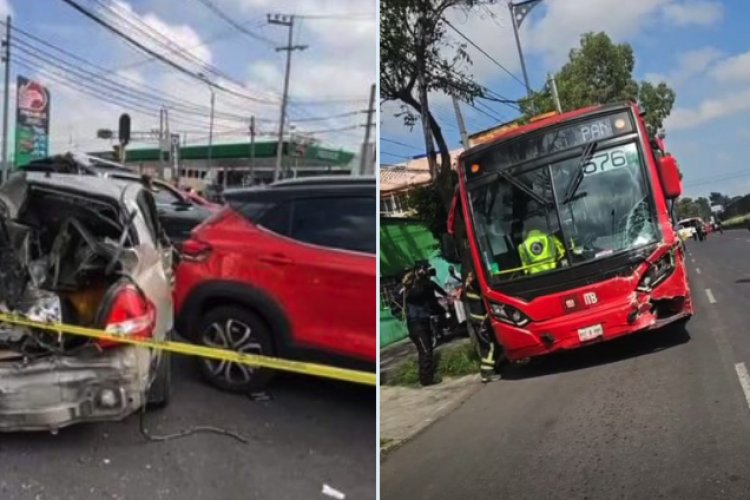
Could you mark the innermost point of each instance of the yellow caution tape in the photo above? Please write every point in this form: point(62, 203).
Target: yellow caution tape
point(255, 360)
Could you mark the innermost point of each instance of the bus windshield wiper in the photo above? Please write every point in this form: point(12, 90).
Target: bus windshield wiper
point(523, 187)
point(577, 179)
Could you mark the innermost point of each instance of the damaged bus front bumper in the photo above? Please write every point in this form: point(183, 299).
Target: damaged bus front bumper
point(636, 311)
point(56, 391)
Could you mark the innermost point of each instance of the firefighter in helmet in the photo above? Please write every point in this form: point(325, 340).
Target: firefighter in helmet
point(481, 326)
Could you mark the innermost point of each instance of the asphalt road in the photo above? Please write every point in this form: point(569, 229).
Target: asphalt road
point(661, 415)
point(311, 432)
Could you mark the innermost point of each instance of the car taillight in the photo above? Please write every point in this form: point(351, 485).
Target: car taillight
point(195, 250)
point(130, 315)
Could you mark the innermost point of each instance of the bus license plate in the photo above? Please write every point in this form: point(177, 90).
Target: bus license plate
point(590, 333)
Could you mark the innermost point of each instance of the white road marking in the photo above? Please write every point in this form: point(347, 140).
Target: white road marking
point(692, 260)
point(710, 295)
point(744, 380)
point(698, 270)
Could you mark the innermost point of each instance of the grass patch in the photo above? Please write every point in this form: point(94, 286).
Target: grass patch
point(738, 221)
point(384, 442)
point(407, 373)
point(452, 361)
point(457, 361)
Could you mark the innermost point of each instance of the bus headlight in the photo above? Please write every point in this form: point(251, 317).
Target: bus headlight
point(658, 272)
point(509, 314)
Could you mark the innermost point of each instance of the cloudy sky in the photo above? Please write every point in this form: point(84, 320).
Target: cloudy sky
point(99, 75)
point(700, 47)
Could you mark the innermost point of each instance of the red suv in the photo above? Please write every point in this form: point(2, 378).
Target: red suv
point(285, 270)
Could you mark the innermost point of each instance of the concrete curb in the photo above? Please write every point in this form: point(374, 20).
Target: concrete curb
point(469, 384)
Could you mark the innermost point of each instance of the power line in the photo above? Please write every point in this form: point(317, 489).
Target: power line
point(397, 143)
point(222, 35)
point(395, 155)
point(499, 116)
point(117, 88)
point(720, 178)
point(330, 117)
point(187, 107)
point(239, 27)
point(160, 39)
point(158, 56)
point(326, 131)
point(366, 16)
point(495, 118)
point(484, 52)
point(76, 85)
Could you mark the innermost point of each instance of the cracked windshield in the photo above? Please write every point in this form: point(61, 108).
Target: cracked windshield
point(602, 207)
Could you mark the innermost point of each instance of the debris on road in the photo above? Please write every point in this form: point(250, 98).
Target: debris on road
point(333, 493)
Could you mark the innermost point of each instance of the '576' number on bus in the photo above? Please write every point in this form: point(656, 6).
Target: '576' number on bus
point(606, 160)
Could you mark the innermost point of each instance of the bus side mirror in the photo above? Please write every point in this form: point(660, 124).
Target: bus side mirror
point(448, 248)
point(669, 174)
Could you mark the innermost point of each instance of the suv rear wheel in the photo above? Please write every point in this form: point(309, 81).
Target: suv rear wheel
point(240, 330)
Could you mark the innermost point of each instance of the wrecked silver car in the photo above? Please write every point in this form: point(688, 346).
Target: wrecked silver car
point(85, 251)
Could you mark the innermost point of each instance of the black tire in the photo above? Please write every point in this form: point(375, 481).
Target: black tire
point(160, 391)
point(249, 334)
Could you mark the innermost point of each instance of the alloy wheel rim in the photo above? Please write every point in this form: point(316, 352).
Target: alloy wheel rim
point(233, 335)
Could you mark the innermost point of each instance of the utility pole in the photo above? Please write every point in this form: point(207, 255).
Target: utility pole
point(252, 149)
point(288, 21)
point(518, 13)
point(461, 124)
point(555, 95)
point(6, 99)
point(162, 119)
point(365, 159)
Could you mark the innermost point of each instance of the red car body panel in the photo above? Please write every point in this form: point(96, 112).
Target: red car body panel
point(327, 295)
point(616, 298)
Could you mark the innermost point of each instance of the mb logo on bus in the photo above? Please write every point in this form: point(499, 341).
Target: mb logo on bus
point(590, 298)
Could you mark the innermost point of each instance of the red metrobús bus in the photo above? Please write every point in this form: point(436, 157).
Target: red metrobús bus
point(570, 233)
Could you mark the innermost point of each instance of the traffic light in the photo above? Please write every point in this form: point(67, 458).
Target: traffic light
point(123, 132)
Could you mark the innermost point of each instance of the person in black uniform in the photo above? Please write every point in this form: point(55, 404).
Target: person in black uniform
point(419, 299)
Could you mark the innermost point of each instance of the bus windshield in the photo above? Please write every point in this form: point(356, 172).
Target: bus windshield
point(556, 215)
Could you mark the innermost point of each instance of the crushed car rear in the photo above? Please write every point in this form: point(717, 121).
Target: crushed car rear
point(80, 251)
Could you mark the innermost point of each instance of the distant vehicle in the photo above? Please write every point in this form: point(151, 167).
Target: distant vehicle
point(694, 224)
point(685, 232)
point(199, 200)
point(289, 270)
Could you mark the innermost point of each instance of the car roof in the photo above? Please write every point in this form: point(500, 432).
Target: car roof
point(99, 186)
point(307, 187)
point(324, 180)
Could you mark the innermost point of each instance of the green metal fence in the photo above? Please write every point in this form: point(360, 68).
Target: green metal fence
point(403, 243)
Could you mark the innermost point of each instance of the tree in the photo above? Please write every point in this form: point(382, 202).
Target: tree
point(426, 202)
point(413, 46)
point(600, 72)
point(718, 199)
point(687, 208)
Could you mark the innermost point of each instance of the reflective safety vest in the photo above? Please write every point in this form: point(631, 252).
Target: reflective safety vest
point(474, 301)
point(540, 252)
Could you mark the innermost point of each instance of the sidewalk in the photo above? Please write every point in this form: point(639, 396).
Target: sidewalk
point(406, 411)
